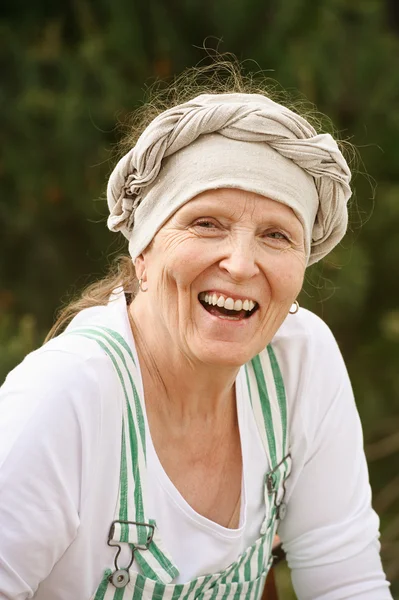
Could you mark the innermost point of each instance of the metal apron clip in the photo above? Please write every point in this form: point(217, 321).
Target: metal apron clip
point(271, 481)
point(120, 577)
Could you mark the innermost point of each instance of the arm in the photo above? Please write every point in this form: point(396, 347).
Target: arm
point(44, 451)
point(330, 534)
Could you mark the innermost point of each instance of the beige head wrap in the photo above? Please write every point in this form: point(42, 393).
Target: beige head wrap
point(243, 141)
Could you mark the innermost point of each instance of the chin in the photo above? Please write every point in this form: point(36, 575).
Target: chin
point(225, 354)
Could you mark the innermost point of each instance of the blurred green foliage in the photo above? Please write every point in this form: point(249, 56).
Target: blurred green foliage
point(71, 70)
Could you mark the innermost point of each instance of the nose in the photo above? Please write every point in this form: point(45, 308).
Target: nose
point(240, 261)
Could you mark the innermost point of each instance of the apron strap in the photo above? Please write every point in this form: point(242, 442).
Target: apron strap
point(131, 525)
point(269, 404)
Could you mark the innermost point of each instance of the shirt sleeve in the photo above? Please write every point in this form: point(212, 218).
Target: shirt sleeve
point(331, 532)
point(48, 435)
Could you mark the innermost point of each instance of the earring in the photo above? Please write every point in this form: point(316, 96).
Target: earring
point(296, 308)
point(141, 286)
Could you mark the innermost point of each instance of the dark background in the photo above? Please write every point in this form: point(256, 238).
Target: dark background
point(70, 71)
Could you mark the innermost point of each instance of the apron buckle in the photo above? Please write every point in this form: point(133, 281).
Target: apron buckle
point(120, 577)
point(121, 525)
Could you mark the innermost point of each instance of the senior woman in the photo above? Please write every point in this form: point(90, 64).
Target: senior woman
point(152, 449)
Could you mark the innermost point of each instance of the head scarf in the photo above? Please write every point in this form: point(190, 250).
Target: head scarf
point(245, 141)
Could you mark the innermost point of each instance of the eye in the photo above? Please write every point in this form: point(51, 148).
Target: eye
point(207, 227)
point(205, 224)
point(277, 236)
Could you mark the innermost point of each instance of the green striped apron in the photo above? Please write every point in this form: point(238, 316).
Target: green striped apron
point(132, 526)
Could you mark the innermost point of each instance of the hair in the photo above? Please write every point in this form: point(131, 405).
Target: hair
point(224, 75)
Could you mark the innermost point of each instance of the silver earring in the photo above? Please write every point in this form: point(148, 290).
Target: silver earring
point(141, 286)
point(295, 306)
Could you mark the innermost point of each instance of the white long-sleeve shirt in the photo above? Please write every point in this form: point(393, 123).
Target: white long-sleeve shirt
point(60, 433)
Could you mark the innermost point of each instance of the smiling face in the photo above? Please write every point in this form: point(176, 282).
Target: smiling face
point(222, 274)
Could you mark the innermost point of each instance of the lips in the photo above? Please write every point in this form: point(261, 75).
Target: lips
point(224, 306)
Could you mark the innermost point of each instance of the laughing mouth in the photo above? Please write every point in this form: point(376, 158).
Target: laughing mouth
point(225, 307)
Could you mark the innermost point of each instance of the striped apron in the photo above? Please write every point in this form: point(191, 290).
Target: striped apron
point(134, 529)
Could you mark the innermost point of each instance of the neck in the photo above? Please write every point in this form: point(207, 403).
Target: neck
point(180, 387)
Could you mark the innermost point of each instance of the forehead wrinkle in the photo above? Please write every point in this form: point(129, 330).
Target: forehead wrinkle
point(249, 205)
point(234, 201)
point(275, 211)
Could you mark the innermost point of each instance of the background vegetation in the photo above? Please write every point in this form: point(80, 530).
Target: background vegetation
point(71, 70)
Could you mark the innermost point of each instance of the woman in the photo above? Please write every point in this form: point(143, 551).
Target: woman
point(152, 450)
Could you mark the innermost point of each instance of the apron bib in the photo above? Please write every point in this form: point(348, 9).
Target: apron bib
point(245, 578)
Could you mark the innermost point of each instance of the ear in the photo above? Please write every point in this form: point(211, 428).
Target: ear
point(139, 265)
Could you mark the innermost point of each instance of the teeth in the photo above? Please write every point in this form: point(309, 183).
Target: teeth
point(228, 303)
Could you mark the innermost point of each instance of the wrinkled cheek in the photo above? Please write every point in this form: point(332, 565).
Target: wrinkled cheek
point(291, 281)
point(165, 294)
point(183, 273)
point(299, 282)
point(294, 286)
point(173, 292)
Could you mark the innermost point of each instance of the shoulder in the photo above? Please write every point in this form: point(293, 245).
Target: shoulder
point(61, 365)
point(313, 371)
point(305, 327)
point(69, 382)
point(304, 344)
point(71, 361)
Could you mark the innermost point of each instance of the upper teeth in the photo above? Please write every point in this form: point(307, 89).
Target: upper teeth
point(218, 300)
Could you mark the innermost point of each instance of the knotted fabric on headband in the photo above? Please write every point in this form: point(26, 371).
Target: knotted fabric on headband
point(275, 146)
